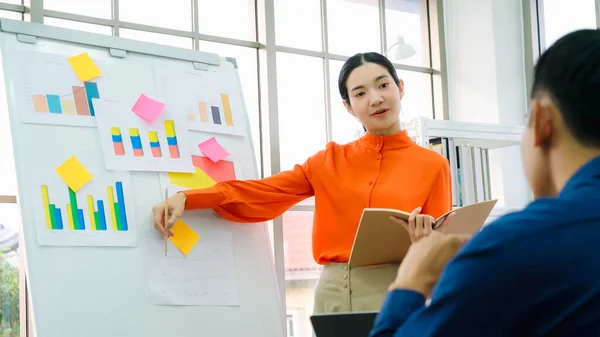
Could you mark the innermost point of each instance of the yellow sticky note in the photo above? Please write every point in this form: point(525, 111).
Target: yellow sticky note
point(184, 238)
point(84, 67)
point(74, 174)
point(196, 180)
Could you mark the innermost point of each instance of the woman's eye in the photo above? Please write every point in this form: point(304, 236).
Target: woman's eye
point(359, 94)
point(384, 85)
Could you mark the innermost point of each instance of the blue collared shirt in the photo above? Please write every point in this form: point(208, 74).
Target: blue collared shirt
point(531, 273)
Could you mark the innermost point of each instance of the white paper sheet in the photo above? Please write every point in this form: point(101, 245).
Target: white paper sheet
point(205, 277)
point(101, 231)
point(111, 114)
point(204, 96)
point(50, 80)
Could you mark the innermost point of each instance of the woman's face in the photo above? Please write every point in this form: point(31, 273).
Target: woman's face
point(375, 98)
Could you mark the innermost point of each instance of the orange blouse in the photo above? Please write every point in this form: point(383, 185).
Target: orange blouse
point(373, 171)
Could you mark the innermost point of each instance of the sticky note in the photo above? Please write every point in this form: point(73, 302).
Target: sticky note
point(148, 108)
point(84, 67)
point(184, 238)
point(74, 174)
point(213, 150)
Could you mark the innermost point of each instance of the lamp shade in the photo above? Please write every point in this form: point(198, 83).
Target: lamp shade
point(403, 49)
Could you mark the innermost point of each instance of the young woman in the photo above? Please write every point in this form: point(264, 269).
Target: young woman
point(384, 168)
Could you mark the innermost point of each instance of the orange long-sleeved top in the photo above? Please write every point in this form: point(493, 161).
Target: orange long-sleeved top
point(373, 171)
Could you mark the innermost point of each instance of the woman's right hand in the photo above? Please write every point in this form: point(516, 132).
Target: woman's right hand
point(419, 225)
point(176, 206)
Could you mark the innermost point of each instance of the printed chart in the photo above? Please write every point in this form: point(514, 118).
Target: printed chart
point(204, 277)
point(210, 99)
point(99, 214)
point(50, 91)
point(131, 143)
point(206, 174)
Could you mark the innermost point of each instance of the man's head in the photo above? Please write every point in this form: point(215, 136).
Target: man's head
point(563, 127)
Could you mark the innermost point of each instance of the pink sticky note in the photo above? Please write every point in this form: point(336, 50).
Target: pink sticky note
point(148, 108)
point(213, 150)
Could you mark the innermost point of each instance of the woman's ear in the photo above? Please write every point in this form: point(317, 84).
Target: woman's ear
point(401, 88)
point(349, 108)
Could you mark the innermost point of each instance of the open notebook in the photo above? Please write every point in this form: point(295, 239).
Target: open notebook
point(381, 240)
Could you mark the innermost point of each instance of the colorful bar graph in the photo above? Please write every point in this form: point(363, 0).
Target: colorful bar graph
point(121, 207)
point(71, 224)
point(81, 103)
point(171, 139)
point(101, 215)
point(136, 142)
point(154, 144)
point(227, 109)
point(90, 202)
point(203, 112)
point(215, 114)
point(96, 211)
point(58, 216)
point(40, 104)
point(47, 212)
point(91, 91)
point(68, 106)
point(76, 214)
point(54, 104)
point(111, 203)
point(117, 140)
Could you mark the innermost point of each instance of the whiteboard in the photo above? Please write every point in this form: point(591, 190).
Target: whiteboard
point(101, 287)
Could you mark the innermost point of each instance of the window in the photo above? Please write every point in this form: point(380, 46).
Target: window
point(301, 106)
point(170, 40)
point(174, 14)
point(97, 8)
point(86, 27)
point(353, 26)
point(562, 17)
point(405, 23)
point(247, 66)
point(301, 271)
point(290, 325)
point(9, 269)
point(11, 15)
point(418, 97)
point(227, 18)
point(291, 14)
point(344, 127)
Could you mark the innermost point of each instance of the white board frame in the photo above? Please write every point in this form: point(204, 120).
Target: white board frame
point(253, 318)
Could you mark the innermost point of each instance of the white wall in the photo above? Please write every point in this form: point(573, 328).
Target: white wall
point(486, 80)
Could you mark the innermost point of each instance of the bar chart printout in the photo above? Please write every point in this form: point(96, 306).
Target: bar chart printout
point(51, 92)
point(94, 216)
point(211, 101)
point(132, 144)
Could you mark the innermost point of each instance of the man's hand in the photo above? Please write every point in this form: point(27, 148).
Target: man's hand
point(425, 260)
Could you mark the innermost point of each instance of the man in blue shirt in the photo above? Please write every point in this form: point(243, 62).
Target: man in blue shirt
point(535, 272)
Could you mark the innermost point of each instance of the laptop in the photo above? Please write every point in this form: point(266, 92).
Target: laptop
point(351, 324)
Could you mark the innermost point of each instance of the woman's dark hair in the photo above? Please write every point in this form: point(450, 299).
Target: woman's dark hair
point(358, 60)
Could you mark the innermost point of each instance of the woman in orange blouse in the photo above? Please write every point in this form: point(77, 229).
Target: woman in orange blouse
point(384, 168)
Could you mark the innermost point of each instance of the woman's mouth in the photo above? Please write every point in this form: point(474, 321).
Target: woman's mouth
point(380, 113)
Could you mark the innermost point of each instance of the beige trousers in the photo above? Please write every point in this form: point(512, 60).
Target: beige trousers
point(345, 289)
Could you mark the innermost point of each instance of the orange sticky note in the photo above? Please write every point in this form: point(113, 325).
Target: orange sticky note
point(84, 67)
point(74, 174)
point(184, 238)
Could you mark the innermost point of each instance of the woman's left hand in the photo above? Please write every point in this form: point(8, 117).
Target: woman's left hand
point(418, 225)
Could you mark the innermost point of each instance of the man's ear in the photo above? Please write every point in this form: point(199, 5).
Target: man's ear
point(542, 122)
point(349, 108)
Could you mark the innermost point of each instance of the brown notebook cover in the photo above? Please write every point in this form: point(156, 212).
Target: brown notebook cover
point(381, 240)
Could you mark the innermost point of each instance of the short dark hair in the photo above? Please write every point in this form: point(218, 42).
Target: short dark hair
point(569, 72)
point(356, 61)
